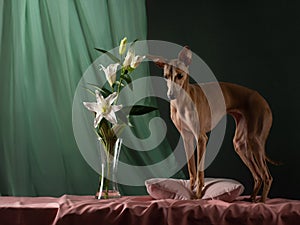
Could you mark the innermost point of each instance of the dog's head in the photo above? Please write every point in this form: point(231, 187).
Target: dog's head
point(176, 71)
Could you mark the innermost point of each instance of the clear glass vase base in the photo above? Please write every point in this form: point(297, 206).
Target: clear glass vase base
point(108, 195)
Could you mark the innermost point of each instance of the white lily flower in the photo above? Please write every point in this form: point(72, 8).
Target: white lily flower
point(129, 57)
point(110, 73)
point(103, 108)
point(136, 61)
point(122, 47)
point(132, 60)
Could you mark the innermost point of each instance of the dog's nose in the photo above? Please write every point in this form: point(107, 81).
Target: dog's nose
point(171, 96)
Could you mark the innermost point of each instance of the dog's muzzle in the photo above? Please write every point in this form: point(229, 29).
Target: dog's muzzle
point(171, 96)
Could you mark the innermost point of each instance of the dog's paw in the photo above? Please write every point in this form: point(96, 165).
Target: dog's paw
point(252, 199)
point(198, 189)
point(199, 194)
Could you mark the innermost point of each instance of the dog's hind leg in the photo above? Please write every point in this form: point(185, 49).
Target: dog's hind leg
point(241, 146)
point(268, 179)
point(257, 149)
point(248, 158)
point(259, 125)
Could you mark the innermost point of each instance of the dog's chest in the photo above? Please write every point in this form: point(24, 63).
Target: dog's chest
point(184, 118)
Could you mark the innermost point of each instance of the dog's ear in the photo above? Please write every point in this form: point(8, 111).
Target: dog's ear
point(158, 60)
point(185, 55)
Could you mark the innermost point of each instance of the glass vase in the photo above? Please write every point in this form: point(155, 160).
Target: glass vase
point(108, 185)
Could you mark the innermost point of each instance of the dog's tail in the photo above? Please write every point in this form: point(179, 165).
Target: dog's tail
point(276, 163)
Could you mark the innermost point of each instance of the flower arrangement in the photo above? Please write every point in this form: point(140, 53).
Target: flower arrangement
point(110, 116)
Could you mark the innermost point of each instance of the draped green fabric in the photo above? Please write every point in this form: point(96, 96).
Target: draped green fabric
point(45, 47)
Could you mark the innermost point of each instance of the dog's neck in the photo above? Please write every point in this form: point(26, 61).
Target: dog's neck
point(184, 96)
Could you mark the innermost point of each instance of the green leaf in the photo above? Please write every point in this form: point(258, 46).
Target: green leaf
point(94, 85)
point(138, 110)
point(106, 92)
point(111, 56)
point(89, 90)
point(103, 90)
point(128, 80)
point(132, 43)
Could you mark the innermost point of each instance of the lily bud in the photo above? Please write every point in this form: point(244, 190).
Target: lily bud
point(111, 73)
point(122, 46)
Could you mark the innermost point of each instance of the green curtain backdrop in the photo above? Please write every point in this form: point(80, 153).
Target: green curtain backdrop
point(45, 47)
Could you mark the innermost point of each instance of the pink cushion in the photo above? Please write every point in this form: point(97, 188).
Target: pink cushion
point(215, 188)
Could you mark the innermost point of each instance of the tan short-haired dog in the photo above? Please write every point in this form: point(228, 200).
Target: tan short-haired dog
point(193, 119)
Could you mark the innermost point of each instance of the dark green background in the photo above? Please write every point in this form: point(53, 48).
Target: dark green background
point(252, 43)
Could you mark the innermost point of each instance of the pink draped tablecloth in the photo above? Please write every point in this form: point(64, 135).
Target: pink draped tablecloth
point(143, 210)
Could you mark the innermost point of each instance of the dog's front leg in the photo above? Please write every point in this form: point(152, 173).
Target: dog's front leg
point(188, 140)
point(201, 147)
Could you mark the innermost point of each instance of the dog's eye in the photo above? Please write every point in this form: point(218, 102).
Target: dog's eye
point(179, 76)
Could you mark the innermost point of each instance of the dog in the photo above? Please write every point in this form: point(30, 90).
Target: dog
point(191, 115)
